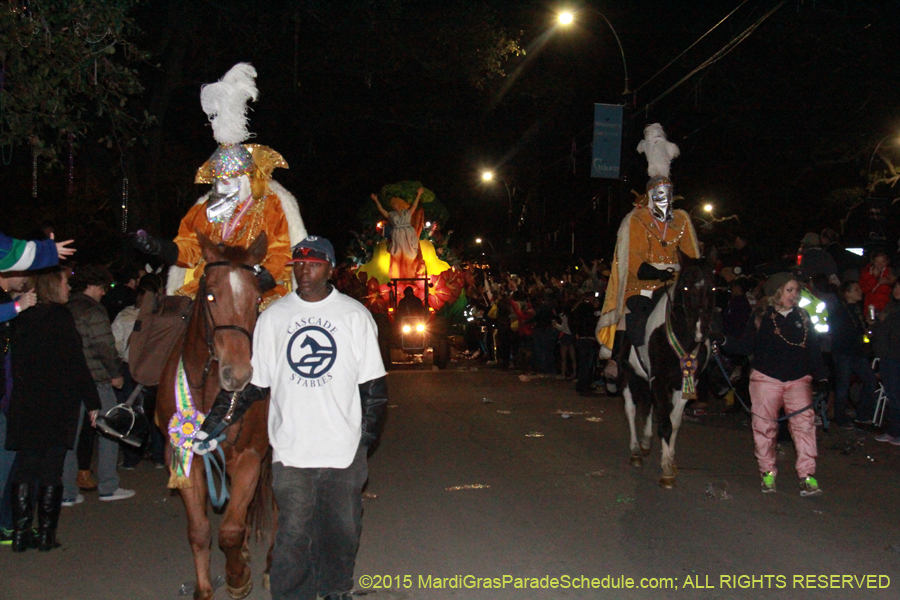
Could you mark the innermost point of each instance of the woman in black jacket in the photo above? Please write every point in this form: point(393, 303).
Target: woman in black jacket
point(785, 360)
point(51, 380)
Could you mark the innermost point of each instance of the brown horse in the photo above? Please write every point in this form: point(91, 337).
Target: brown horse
point(216, 351)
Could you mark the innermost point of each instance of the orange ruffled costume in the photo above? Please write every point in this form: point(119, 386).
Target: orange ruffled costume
point(265, 214)
point(641, 240)
point(272, 209)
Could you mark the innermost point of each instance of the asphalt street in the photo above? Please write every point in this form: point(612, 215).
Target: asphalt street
point(487, 486)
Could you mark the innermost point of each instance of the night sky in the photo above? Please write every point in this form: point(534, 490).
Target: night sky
point(359, 94)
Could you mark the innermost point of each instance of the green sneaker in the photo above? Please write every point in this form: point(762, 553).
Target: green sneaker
point(809, 487)
point(6, 536)
point(768, 482)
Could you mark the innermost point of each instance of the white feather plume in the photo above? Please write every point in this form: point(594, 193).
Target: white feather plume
point(225, 103)
point(659, 150)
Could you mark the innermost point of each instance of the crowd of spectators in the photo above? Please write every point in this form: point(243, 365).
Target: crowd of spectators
point(541, 323)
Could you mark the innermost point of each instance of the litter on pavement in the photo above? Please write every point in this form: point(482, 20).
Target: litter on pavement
point(718, 490)
point(188, 588)
point(468, 486)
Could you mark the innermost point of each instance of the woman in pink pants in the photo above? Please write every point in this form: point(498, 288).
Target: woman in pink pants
point(786, 360)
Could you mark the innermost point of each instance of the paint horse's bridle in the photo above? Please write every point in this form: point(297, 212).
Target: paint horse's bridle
point(210, 331)
point(688, 360)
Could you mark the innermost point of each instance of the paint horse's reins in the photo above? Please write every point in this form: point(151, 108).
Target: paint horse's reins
point(687, 360)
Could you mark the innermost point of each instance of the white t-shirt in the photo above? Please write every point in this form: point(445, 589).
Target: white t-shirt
point(313, 356)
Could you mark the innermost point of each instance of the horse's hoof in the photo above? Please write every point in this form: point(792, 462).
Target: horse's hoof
point(266, 582)
point(645, 451)
point(667, 482)
point(637, 460)
point(241, 592)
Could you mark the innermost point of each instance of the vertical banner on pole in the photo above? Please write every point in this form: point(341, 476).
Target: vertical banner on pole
point(607, 146)
point(878, 208)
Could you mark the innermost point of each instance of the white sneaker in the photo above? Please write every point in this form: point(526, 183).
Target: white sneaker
point(72, 502)
point(119, 494)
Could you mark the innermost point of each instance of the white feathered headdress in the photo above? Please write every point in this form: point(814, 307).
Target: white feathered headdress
point(658, 149)
point(225, 104)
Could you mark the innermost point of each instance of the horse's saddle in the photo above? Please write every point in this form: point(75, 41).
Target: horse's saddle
point(160, 324)
point(639, 308)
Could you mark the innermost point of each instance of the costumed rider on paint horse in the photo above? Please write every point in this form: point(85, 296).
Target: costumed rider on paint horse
point(646, 255)
point(244, 200)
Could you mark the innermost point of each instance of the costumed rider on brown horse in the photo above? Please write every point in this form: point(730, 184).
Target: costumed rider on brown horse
point(244, 202)
point(646, 256)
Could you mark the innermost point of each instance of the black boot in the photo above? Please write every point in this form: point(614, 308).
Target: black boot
point(23, 515)
point(612, 370)
point(224, 412)
point(49, 505)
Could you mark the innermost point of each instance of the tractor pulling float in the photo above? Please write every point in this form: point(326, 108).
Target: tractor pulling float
point(403, 247)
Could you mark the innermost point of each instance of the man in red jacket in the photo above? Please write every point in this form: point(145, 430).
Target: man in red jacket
point(876, 280)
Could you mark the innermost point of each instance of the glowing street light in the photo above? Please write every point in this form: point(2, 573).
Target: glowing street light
point(708, 208)
point(567, 18)
point(477, 240)
point(489, 176)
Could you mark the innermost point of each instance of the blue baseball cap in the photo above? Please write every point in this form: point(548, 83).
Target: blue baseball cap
point(313, 249)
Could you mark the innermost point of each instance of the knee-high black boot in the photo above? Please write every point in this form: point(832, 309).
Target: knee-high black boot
point(23, 516)
point(617, 345)
point(612, 368)
point(49, 505)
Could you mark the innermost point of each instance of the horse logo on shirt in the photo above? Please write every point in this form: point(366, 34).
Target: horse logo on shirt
point(311, 352)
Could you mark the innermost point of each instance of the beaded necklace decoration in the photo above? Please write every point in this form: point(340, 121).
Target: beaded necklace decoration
point(802, 343)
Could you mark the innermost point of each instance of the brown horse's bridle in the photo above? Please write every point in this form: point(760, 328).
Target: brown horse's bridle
point(210, 332)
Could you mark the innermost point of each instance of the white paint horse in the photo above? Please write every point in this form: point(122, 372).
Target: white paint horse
point(663, 372)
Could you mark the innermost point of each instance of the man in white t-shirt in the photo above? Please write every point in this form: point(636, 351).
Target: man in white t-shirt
point(316, 352)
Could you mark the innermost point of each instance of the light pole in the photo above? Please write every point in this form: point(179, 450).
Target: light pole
point(488, 176)
point(568, 17)
point(480, 241)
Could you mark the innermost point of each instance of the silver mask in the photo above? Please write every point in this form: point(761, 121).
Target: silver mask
point(224, 198)
point(660, 201)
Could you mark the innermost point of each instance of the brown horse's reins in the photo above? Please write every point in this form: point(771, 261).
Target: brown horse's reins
point(210, 332)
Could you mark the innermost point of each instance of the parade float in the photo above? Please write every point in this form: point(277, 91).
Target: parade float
point(403, 246)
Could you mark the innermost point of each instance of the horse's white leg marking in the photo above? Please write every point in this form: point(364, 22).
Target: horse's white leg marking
point(648, 430)
point(668, 448)
point(630, 411)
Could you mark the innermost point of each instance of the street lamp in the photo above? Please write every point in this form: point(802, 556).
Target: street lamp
point(567, 18)
point(488, 176)
point(479, 241)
